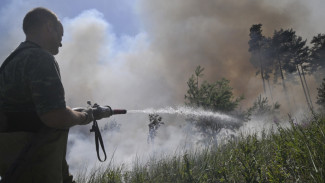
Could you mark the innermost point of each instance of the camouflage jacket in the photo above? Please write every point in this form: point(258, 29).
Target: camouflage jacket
point(31, 82)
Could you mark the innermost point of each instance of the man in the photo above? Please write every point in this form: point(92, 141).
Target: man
point(34, 118)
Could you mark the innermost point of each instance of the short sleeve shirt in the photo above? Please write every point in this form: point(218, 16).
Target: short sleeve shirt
point(31, 81)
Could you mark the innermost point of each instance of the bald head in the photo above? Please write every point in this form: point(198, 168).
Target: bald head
point(43, 27)
point(36, 18)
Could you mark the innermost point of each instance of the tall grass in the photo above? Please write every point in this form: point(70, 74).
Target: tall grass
point(295, 154)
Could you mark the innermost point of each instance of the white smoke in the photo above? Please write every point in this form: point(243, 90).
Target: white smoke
point(122, 73)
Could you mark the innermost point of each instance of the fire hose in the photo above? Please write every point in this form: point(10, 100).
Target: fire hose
point(104, 112)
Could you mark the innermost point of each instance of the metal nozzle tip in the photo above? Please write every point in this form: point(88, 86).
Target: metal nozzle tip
point(119, 111)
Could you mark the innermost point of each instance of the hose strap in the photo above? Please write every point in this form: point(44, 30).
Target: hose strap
point(98, 139)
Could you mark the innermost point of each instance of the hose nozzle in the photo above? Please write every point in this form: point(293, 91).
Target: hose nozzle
point(118, 111)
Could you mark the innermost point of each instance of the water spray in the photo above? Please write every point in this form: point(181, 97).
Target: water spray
point(106, 111)
point(186, 112)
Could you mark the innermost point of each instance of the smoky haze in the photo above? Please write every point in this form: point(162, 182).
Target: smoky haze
point(214, 34)
point(150, 69)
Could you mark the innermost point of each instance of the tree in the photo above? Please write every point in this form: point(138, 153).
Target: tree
point(112, 126)
point(255, 47)
point(267, 53)
point(261, 108)
point(321, 94)
point(216, 97)
point(255, 44)
point(261, 51)
point(155, 123)
point(281, 44)
point(318, 55)
point(194, 93)
point(297, 61)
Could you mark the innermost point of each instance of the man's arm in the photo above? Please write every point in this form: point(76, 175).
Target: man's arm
point(64, 118)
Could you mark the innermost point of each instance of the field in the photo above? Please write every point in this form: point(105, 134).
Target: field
point(283, 154)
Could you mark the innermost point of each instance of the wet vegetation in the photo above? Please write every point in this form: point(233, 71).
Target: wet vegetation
point(284, 154)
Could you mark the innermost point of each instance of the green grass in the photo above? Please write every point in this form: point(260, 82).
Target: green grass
point(295, 154)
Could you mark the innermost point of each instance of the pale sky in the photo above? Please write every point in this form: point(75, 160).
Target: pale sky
point(120, 13)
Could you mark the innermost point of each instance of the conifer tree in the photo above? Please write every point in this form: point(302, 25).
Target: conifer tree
point(318, 56)
point(321, 95)
point(255, 47)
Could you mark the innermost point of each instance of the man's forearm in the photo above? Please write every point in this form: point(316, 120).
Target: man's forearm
point(63, 118)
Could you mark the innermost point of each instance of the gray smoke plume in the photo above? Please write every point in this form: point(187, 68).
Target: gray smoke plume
point(214, 34)
point(151, 68)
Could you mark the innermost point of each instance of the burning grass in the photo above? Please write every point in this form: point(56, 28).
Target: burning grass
point(294, 154)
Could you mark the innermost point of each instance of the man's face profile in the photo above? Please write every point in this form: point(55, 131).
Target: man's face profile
point(56, 35)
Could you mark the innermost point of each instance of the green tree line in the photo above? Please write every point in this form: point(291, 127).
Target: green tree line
point(286, 56)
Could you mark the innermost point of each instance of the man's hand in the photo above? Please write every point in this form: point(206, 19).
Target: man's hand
point(101, 112)
point(88, 113)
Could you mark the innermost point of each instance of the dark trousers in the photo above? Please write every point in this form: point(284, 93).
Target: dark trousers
point(43, 162)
